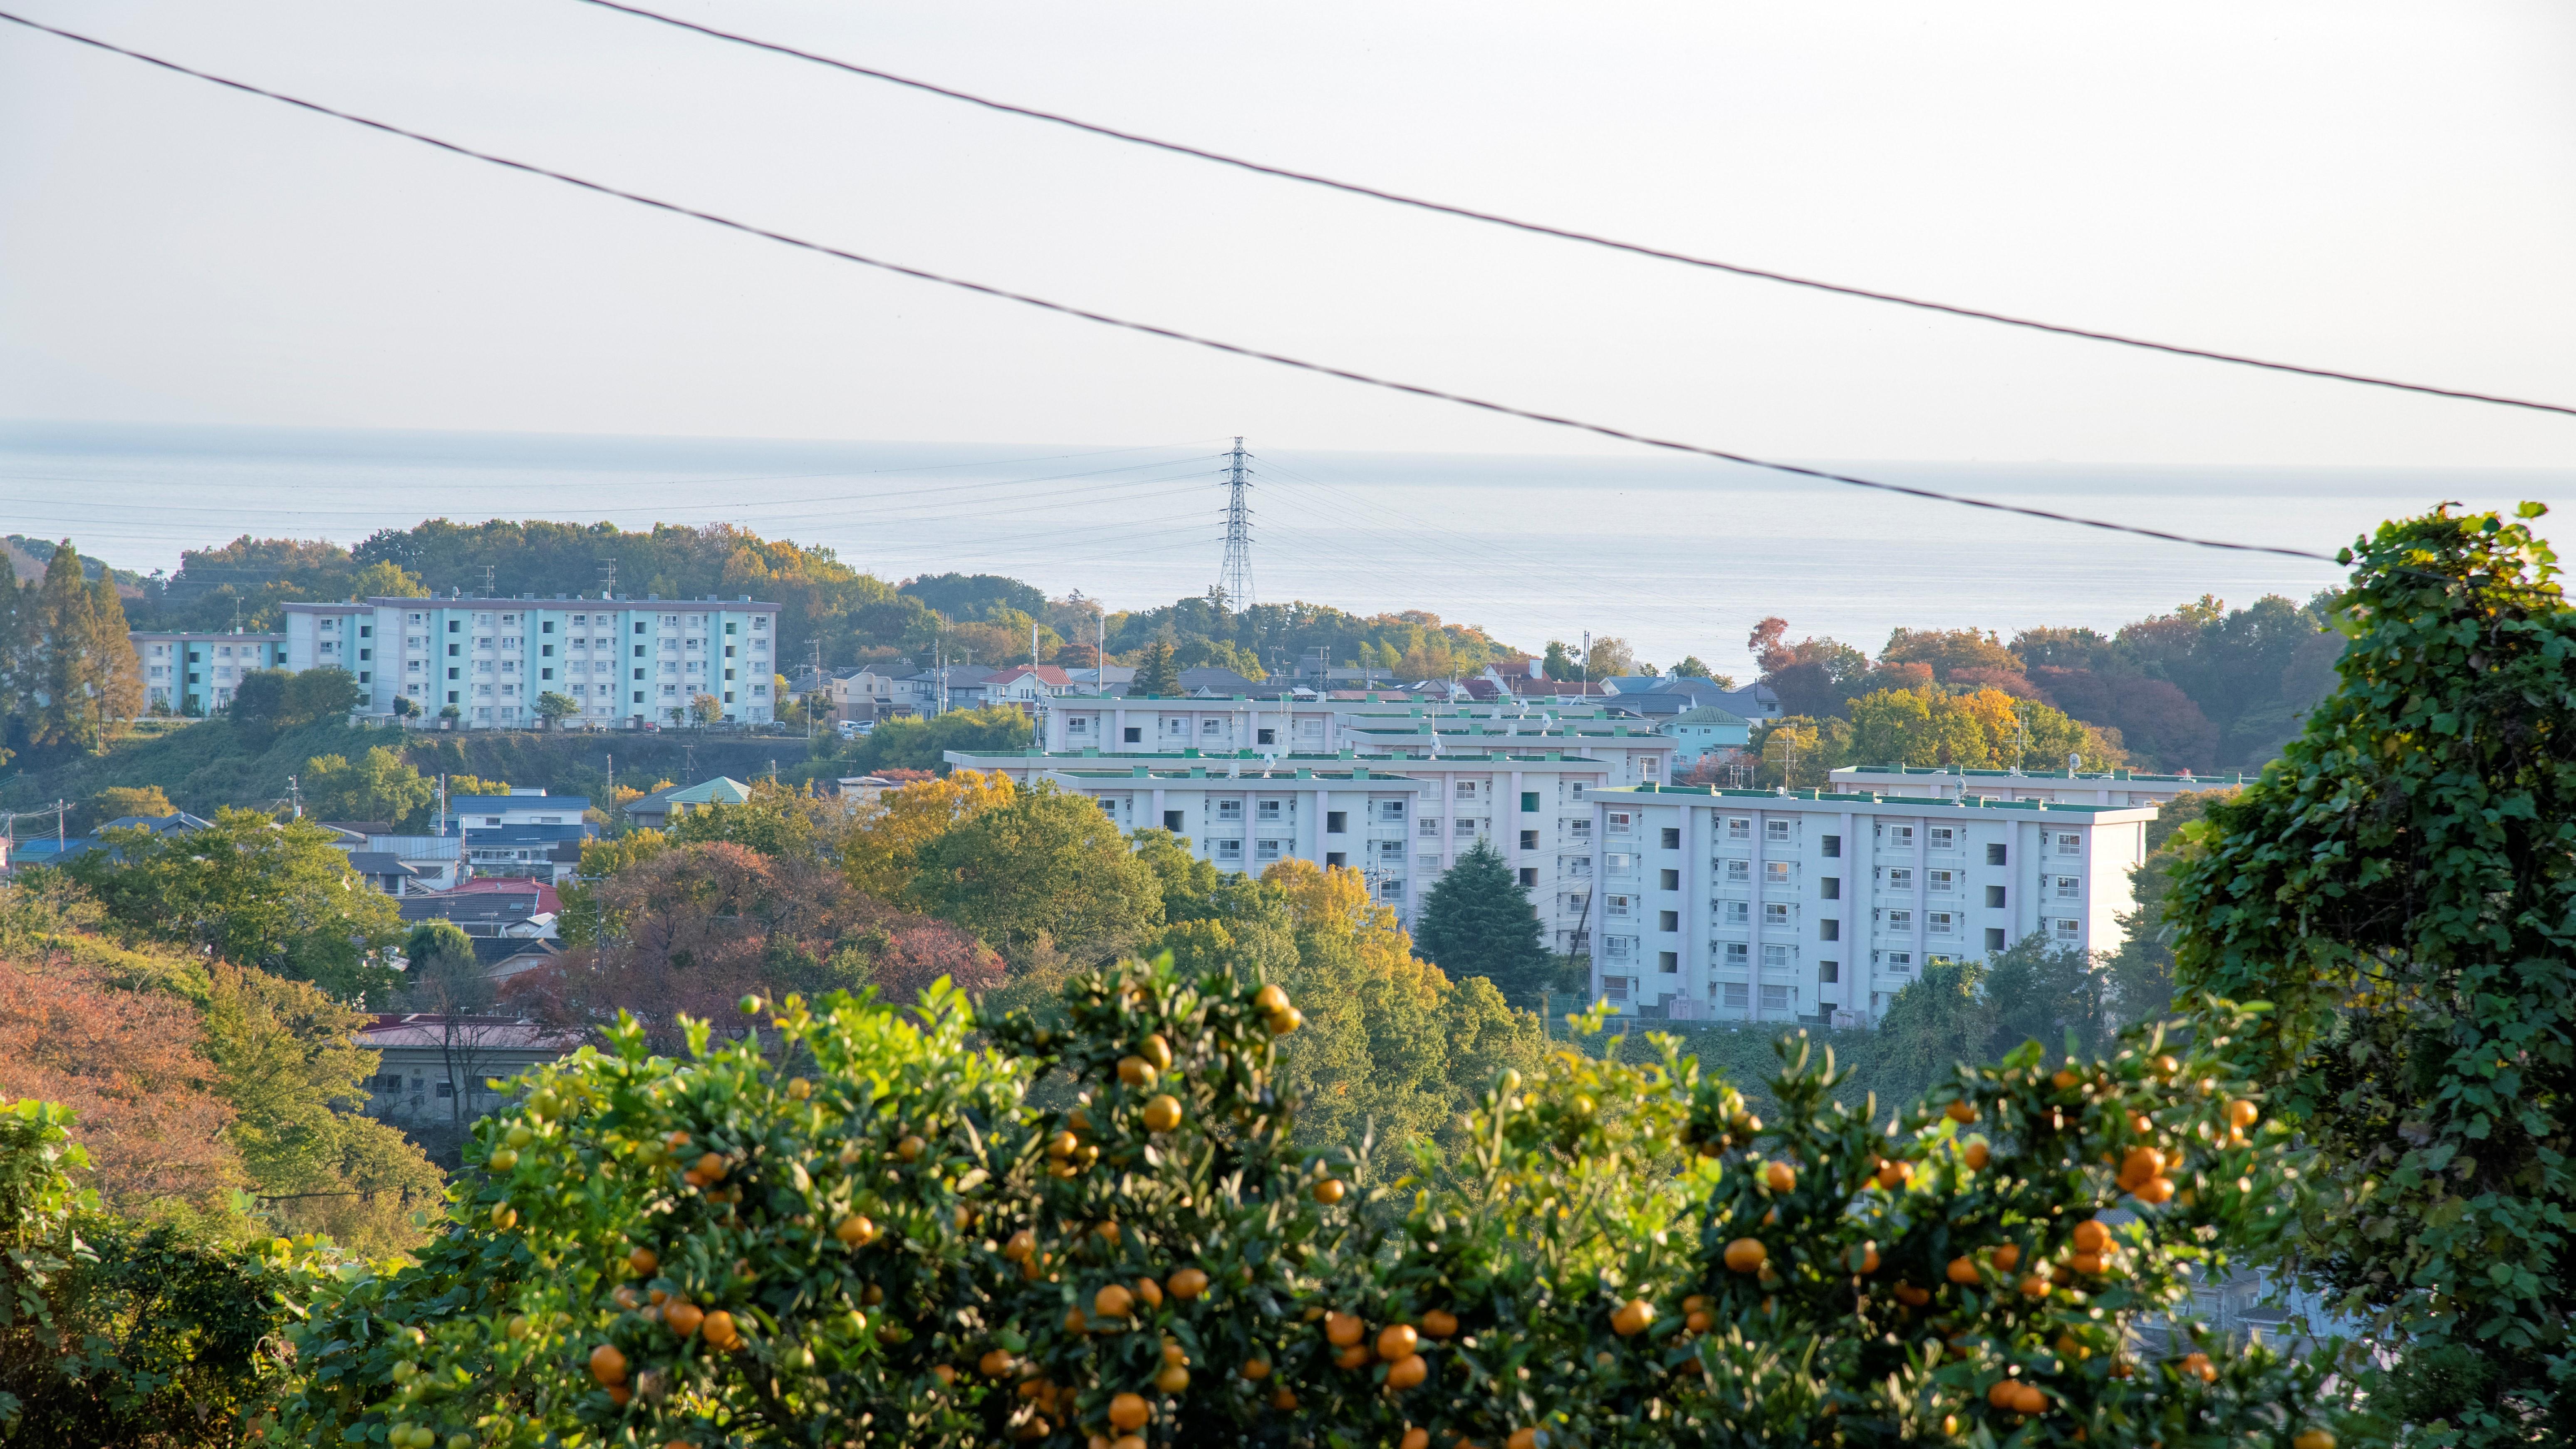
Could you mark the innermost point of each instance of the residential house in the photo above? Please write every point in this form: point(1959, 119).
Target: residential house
point(657, 810)
point(1026, 685)
point(433, 1068)
point(1705, 730)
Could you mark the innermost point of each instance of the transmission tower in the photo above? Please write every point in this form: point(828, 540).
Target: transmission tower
point(1236, 576)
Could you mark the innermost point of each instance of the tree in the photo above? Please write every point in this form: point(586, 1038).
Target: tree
point(267, 701)
point(881, 851)
point(1812, 677)
point(2048, 994)
point(115, 673)
point(554, 708)
point(1800, 753)
point(70, 662)
point(119, 802)
point(1937, 1021)
point(380, 786)
point(923, 744)
point(1157, 677)
point(1690, 667)
point(254, 891)
point(447, 987)
point(1478, 921)
point(2402, 887)
point(1042, 869)
point(2142, 970)
point(705, 709)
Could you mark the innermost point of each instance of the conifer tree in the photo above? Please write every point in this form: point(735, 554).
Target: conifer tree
point(62, 674)
point(115, 673)
point(1479, 922)
point(1156, 675)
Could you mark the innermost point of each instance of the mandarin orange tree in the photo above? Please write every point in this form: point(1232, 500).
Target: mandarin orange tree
point(855, 1226)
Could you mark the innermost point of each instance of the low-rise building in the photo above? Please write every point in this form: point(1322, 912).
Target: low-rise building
point(2057, 787)
point(1703, 731)
point(621, 661)
point(1820, 906)
point(196, 674)
point(434, 1068)
point(657, 810)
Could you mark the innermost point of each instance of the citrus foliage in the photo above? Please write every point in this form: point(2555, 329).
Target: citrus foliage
point(854, 1226)
point(2403, 884)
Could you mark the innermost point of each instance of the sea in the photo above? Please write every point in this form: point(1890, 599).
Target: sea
point(1674, 556)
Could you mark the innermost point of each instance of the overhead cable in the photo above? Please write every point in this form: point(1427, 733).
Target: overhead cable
point(1538, 228)
point(1168, 333)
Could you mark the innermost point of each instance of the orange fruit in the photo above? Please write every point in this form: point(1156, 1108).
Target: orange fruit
point(683, 1316)
point(1698, 1321)
point(1747, 1255)
point(2034, 1286)
point(1341, 1330)
point(1285, 1400)
point(1136, 1071)
point(1421, 1439)
point(1634, 1317)
point(2155, 1190)
point(1270, 1000)
point(2242, 1114)
point(1961, 1111)
point(2027, 1399)
point(1868, 1259)
point(719, 1330)
point(1163, 1113)
point(1256, 1369)
point(1023, 1245)
point(909, 1149)
point(1130, 1411)
point(1284, 1022)
point(711, 1167)
point(2065, 1078)
point(2313, 1439)
point(643, 1261)
point(1172, 1379)
point(2141, 1163)
point(1149, 1292)
point(2008, 1256)
point(855, 1231)
point(1113, 1301)
point(1157, 1050)
point(1396, 1340)
point(996, 1363)
point(607, 1364)
point(2003, 1393)
point(1329, 1191)
point(1188, 1283)
point(1355, 1356)
point(2088, 1264)
point(1440, 1323)
point(1976, 1155)
point(618, 1394)
point(1907, 1293)
point(1074, 1321)
point(1522, 1439)
point(2091, 1236)
point(945, 1373)
point(1963, 1269)
point(1780, 1177)
point(1893, 1175)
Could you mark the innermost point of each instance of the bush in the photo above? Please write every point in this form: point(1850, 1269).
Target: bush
point(852, 1225)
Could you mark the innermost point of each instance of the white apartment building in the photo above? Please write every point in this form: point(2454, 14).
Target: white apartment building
point(1533, 808)
point(616, 659)
point(2057, 787)
point(201, 670)
point(1376, 727)
point(1742, 905)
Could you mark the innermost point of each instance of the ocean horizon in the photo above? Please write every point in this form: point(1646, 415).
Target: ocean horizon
point(1678, 556)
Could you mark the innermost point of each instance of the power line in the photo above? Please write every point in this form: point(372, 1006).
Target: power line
point(1567, 234)
point(1168, 333)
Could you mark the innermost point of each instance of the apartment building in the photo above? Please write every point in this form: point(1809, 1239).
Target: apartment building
point(488, 659)
point(2057, 787)
point(1376, 725)
point(197, 673)
point(1533, 808)
point(1839, 899)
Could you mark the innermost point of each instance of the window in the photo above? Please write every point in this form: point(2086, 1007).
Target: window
point(1466, 789)
point(1737, 872)
point(1739, 828)
point(1775, 913)
point(1900, 837)
point(1900, 920)
point(1776, 832)
point(1668, 920)
point(1994, 898)
point(1668, 962)
point(1672, 837)
point(2070, 844)
point(1829, 930)
point(1529, 802)
point(446, 1089)
point(1734, 913)
point(1211, 727)
point(1649, 766)
point(1900, 878)
point(1229, 852)
point(1618, 863)
point(2070, 888)
point(1265, 737)
point(1939, 923)
point(1336, 822)
point(1172, 821)
point(1829, 971)
point(1135, 735)
point(1390, 890)
point(1578, 831)
point(1831, 846)
point(1994, 938)
point(1775, 873)
point(1230, 811)
point(1621, 823)
point(1778, 958)
point(1619, 948)
point(1670, 880)
point(1077, 726)
point(1944, 837)
point(1994, 855)
point(1779, 998)
point(1529, 875)
point(1829, 887)
point(1529, 840)
point(1731, 993)
point(1462, 827)
point(1940, 882)
point(1430, 825)
point(1391, 811)
point(1270, 812)
point(1737, 955)
point(1616, 907)
point(1615, 988)
point(2066, 929)
point(1897, 962)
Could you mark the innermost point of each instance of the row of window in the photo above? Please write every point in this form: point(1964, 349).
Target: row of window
point(759, 622)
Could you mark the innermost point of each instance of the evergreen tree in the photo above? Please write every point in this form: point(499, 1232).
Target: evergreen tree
point(1479, 922)
point(115, 673)
point(1156, 675)
point(15, 647)
point(62, 674)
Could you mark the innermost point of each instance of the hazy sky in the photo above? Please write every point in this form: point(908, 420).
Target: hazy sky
point(2383, 187)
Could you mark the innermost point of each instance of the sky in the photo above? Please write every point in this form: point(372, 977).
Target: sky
point(2380, 187)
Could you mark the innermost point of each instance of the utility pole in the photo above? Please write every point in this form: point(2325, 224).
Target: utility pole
point(488, 585)
point(1235, 577)
point(608, 578)
point(1587, 662)
point(295, 792)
